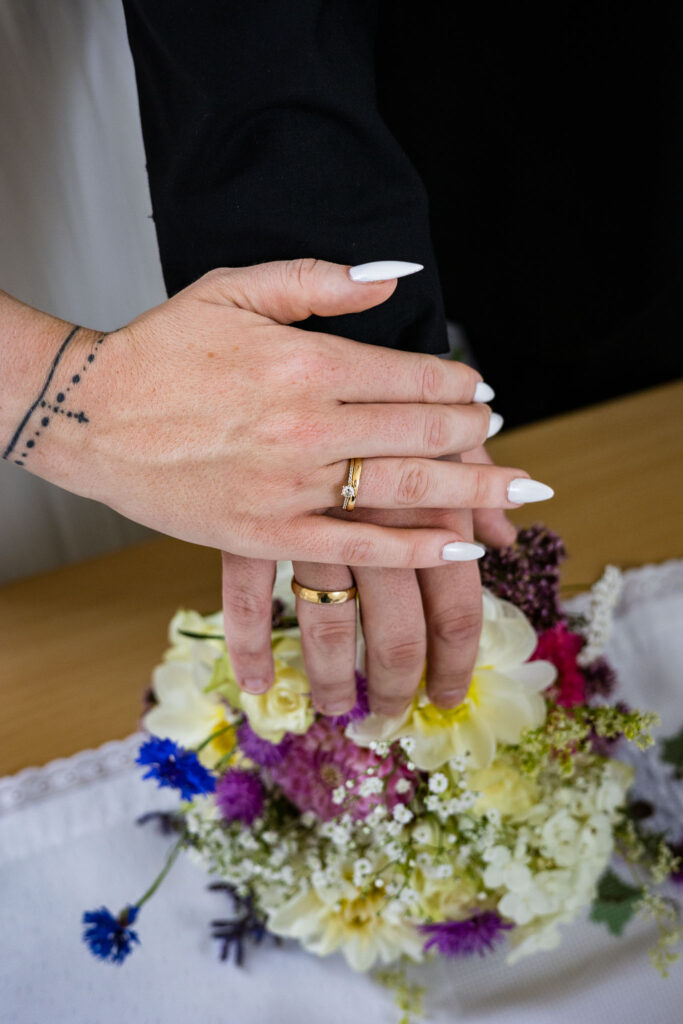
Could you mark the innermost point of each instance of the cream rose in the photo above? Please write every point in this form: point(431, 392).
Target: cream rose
point(286, 706)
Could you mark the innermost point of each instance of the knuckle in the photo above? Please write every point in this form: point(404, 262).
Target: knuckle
point(413, 484)
point(413, 554)
point(455, 628)
point(358, 551)
point(402, 656)
point(305, 429)
point(301, 270)
point(245, 607)
point(481, 489)
point(304, 360)
point(435, 431)
point(431, 380)
point(331, 634)
point(216, 276)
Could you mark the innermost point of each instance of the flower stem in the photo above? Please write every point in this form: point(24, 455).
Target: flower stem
point(225, 759)
point(170, 860)
point(213, 736)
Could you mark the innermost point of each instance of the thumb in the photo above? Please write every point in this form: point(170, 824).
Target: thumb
point(286, 291)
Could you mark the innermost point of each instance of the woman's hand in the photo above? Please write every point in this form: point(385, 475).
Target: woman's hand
point(407, 616)
point(211, 419)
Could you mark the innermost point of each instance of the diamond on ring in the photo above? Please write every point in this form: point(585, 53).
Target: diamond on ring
point(349, 491)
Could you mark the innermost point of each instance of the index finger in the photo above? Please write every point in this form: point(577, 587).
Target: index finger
point(356, 372)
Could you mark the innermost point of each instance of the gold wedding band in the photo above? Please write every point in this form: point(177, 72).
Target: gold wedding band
point(323, 596)
point(350, 489)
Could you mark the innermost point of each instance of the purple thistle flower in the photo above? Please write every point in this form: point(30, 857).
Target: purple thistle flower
point(528, 574)
point(258, 750)
point(477, 934)
point(172, 765)
point(110, 938)
point(239, 796)
point(600, 679)
point(361, 708)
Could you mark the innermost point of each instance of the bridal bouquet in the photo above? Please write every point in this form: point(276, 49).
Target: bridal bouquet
point(440, 832)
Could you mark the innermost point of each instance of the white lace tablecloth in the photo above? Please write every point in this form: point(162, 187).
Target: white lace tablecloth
point(68, 843)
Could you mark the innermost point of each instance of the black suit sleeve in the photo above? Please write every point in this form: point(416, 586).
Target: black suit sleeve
point(264, 142)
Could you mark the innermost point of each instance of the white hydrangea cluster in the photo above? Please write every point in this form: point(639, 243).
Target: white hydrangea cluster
point(560, 851)
point(463, 846)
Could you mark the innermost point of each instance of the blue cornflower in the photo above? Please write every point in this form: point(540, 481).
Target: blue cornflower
point(109, 937)
point(172, 765)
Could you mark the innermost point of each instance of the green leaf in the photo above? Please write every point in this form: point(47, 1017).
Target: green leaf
point(615, 915)
point(615, 902)
point(672, 751)
point(194, 635)
point(222, 678)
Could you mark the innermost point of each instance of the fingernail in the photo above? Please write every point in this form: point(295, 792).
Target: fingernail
point(460, 551)
point(390, 711)
point(495, 423)
point(450, 700)
point(255, 686)
point(483, 392)
point(383, 270)
point(340, 708)
point(521, 490)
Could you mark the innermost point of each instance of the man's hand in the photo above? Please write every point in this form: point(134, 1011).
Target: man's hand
point(407, 616)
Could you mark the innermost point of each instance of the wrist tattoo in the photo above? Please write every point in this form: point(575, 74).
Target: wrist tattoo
point(55, 399)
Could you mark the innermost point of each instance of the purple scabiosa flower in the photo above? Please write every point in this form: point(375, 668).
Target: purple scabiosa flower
point(257, 749)
point(108, 937)
point(477, 934)
point(528, 574)
point(172, 765)
point(239, 796)
point(361, 708)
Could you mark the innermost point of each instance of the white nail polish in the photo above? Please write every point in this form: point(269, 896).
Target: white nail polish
point(495, 423)
point(460, 551)
point(483, 392)
point(522, 490)
point(383, 270)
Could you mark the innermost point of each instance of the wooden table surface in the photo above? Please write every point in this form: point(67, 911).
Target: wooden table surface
point(78, 644)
